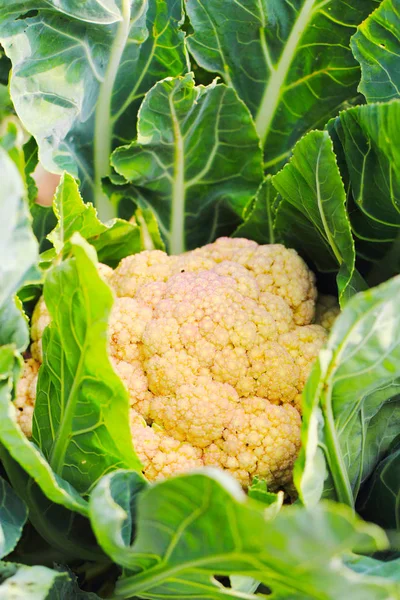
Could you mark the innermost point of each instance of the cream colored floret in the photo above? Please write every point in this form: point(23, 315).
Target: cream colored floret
point(326, 311)
point(214, 347)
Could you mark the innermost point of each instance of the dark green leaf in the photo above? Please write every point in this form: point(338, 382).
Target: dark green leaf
point(81, 413)
point(13, 515)
point(380, 498)
point(259, 216)
point(79, 87)
point(355, 377)
point(367, 146)
point(290, 61)
point(196, 161)
point(312, 217)
point(43, 222)
point(193, 527)
point(376, 46)
point(31, 160)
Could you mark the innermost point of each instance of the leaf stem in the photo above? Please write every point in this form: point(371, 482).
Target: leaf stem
point(177, 244)
point(103, 121)
point(334, 455)
point(272, 94)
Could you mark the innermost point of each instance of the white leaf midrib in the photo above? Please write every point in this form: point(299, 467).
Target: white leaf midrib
point(272, 93)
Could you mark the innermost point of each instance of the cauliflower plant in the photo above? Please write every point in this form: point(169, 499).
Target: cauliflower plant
point(214, 347)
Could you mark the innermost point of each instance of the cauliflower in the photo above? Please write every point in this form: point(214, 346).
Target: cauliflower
point(214, 347)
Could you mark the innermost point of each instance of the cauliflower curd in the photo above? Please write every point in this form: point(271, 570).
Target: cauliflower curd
point(214, 347)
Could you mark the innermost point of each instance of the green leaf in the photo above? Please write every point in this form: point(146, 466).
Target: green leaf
point(66, 588)
point(273, 502)
point(259, 216)
point(15, 444)
point(83, 77)
point(367, 135)
point(366, 565)
point(20, 582)
point(80, 420)
point(356, 376)
point(178, 547)
point(113, 240)
point(290, 61)
point(31, 160)
point(66, 530)
point(13, 325)
point(366, 146)
point(18, 246)
point(376, 46)
point(196, 161)
point(112, 506)
point(43, 223)
point(13, 516)
point(312, 217)
point(380, 498)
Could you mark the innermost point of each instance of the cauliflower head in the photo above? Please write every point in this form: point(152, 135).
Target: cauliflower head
point(214, 347)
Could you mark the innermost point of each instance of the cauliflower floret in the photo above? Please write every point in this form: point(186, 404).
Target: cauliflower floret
point(188, 418)
point(138, 269)
point(262, 439)
point(214, 348)
point(40, 320)
point(304, 345)
point(326, 311)
point(26, 394)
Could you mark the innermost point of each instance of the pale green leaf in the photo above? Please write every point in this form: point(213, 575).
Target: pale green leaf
point(81, 413)
point(289, 60)
point(19, 582)
point(196, 161)
point(196, 526)
point(80, 71)
point(113, 240)
point(18, 246)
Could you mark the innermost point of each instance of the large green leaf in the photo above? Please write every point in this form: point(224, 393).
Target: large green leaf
point(364, 144)
point(79, 72)
point(355, 379)
point(290, 61)
point(18, 246)
point(380, 498)
point(312, 216)
point(13, 515)
point(193, 527)
point(376, 46)
point(80, 420)
point(197, 160)
point(113, 241)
